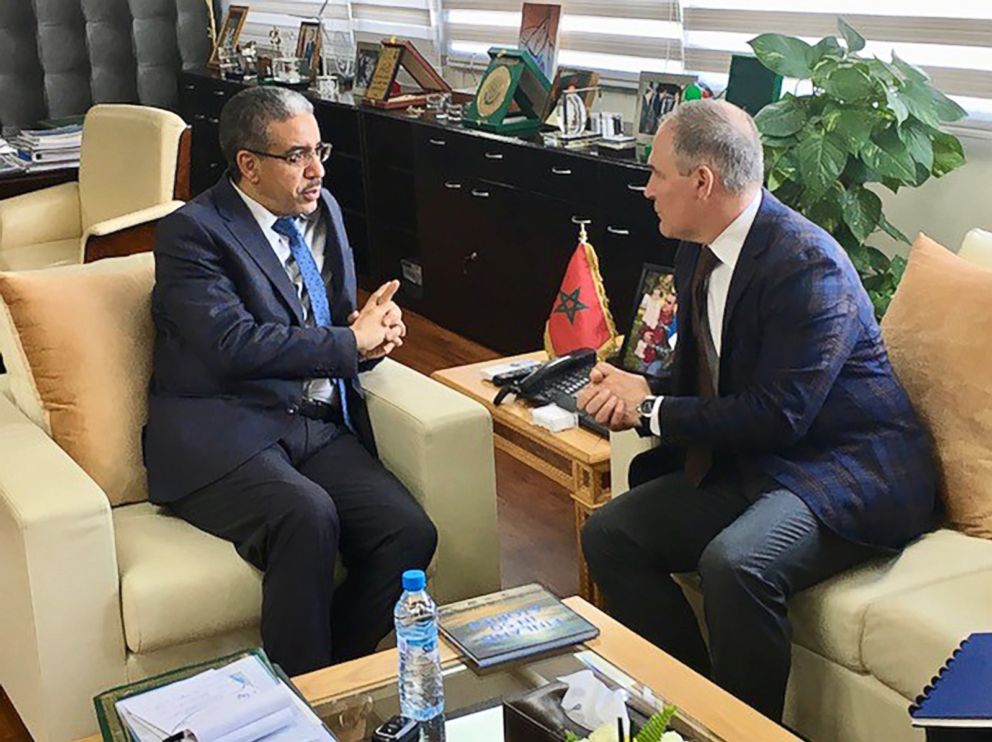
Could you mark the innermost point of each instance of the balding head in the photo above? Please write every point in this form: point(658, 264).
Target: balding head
point(721, 136)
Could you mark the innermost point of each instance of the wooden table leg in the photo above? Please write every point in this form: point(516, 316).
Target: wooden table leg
point(590, 490)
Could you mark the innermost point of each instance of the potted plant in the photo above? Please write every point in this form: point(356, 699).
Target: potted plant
point(865, 121)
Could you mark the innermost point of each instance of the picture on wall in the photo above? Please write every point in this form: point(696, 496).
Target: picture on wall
point(657, 95)
point(230, 31)
point(649, 345)
point(366, 58)
point(308, 47)
point(539, 34)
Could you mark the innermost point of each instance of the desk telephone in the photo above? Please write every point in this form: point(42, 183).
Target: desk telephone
point(558, 382)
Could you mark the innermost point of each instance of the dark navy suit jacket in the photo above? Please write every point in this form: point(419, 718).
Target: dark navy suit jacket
point(806, 392)
point(232, 352)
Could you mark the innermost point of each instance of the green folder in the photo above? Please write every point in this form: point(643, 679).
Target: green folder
point(114, 730)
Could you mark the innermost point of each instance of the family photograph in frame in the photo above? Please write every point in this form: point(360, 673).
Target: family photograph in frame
point(657, 95)
point(308, 48)
point(230, 31)
point(649, 345)
point(366, 58)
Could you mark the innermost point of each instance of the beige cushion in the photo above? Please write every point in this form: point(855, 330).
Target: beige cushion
point(938, 331)
point(40, 255)
point(115, 138)
point(77, 342)
point(909, 635)
point(178, 583)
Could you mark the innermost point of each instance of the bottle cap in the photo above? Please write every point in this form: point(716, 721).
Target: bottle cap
point(414, 579)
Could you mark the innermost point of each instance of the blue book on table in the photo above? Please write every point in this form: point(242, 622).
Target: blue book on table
point(961, 693)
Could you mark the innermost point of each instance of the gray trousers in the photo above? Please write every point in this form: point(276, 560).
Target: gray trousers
point(753, 544)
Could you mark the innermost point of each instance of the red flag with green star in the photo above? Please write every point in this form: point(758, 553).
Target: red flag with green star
point(580, 315)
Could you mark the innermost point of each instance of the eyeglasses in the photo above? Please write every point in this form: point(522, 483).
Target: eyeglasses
point(300, 157)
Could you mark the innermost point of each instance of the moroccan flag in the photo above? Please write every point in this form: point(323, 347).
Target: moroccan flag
point(580, 315)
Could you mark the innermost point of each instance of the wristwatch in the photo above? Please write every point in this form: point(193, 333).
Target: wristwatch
point(645, 408)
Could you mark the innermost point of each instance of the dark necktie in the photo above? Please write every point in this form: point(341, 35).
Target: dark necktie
point(315, 289)
point(699, 459)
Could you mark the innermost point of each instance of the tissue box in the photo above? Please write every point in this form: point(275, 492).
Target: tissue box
point(537, 716)
point(554, 418)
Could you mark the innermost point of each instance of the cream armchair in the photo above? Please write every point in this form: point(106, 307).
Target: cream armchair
point(96, 595)
point(133, 170)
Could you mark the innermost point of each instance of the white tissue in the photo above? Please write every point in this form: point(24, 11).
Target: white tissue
point(590, 703)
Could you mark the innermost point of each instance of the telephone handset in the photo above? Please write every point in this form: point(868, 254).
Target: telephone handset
point(563, 376)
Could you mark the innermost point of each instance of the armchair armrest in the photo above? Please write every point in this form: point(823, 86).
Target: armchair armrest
point(623, 448)
point(440, 444)
point(61, 639)
point(124, 235)
point(133, 219)
point(41, 216)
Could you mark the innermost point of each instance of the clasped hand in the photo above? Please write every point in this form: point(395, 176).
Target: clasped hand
point(613, 396)
point(378, 326)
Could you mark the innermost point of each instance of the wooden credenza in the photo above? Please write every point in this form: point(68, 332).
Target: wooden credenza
point(489, 220)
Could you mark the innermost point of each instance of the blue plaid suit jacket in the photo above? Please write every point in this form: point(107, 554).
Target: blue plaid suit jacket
point(806, 391)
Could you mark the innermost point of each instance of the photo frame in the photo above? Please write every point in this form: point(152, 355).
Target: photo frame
point(569, 77)
point(657, 95)
point(308, 43)
point(649, 344)
point(539, 32)
point(366, 59)
point(230, 32)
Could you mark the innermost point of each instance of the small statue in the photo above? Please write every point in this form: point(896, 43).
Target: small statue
point(276, 42)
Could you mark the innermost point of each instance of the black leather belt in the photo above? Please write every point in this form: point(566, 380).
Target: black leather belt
point(317, 410)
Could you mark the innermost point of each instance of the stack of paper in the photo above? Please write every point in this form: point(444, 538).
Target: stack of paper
point(49, 149)
point(241, 702)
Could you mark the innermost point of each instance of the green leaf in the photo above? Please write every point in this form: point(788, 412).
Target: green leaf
point(859, 256)
point(781, 119)
point(897, 267)
point(892, 232)
point(858, 172)
point(821, 162)
point(947, 110)
point(919, 102)
point(893, 184)
point(779, 142)
point(862, 211)
point(916, 137)
point(827, 212)
point(783, 54)
point(850, 83)
point(909, 71)
point(887, 155)
point(947, 153)
point(878, 260)
point(826, 49)
point(883, 71)
point(852, 126)
point(855, 41)
point(896, 105)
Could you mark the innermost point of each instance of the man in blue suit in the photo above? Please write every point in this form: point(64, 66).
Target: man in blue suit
point(257, 429)
point(789, 451)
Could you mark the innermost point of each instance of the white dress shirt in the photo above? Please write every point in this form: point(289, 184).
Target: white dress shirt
point(727, 248)
point(314, 230)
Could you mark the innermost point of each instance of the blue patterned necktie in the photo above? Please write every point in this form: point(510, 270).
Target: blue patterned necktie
point(313, 284)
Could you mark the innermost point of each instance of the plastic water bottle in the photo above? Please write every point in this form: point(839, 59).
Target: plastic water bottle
point(421, 684)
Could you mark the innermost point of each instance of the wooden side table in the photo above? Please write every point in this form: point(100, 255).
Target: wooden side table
point(576, 459)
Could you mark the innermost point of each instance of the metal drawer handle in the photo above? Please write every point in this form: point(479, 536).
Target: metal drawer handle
point(437, 142)
point(451, 185)
point(621, 232)
point(214, 121)
point(637, 188)
point(480, 194)
point(559, 171)
point(200, 116)
point(190, 86)
point(214, 165)
point(581, 220)
point(494, 156)
point(220, 93)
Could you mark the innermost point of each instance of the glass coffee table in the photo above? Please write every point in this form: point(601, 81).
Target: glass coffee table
point(354, 698)
point(473, 699)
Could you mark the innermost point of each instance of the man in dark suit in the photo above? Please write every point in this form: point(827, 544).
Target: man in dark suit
point(257, 429)
point(789, 451)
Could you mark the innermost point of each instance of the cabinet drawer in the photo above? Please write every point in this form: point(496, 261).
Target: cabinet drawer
point(622, 188)
point(442, 151)
point(497, 161)
point(339, 126)
point(343, 178)
point(389, 141)
point(564, 176)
